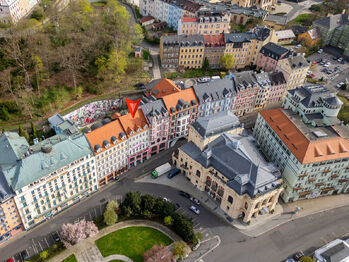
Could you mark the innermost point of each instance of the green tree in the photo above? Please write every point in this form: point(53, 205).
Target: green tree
point(306, 259)
point(132, 203)
point(38, 13)
point(180, 249)
point(4, 114)
point(206, 64)
point(227, 61)
point(148, 202)
point(44, 255)
point(164, 208)
point(197, 237)
point(168, 221)
point(113, 205)
point(32, 126)
point(110, 217)
point(183, 227)
point(23, 132)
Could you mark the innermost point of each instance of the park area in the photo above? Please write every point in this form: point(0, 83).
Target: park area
point(132, 242)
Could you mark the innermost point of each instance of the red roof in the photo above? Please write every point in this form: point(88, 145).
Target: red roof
point(146, 19)
point(214, 40)
point(187, 19)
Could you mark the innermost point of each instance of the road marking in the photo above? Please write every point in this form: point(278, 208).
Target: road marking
point(47, 243)
point(197, 225)
point(36, 251)
point(40, 246)
point(208, 251)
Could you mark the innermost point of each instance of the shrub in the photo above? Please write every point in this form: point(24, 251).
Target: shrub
point(168, 221)
point(110, 217)
point(180, 249)
point(4, 114)
point(44, 254)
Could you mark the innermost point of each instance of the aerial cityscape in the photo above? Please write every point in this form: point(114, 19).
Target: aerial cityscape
point(174, 130)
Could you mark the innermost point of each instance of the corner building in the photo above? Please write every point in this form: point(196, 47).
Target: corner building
point(229, 168)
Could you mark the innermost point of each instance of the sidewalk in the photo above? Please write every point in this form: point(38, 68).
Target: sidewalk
point(264, 223)
point(87, 251)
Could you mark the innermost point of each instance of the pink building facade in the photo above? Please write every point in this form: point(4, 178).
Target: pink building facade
point(158, 119)
point(269, 56)
point(277, 89)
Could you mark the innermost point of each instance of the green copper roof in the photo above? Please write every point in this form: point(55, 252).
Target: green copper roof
point(55, 153)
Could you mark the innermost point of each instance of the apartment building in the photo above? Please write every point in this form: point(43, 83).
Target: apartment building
point(205, 23)
point(247, 89)
point(182, 108)
point(214, 49)
point(11, 11)
point(285, 36)
point(243, 46)
point(188, 51)
point(240, 15)
point(334, 31)
point(110, 146)
point(314, 104)
point(313, 160)
point(206, 129)
point(49, 176)
point(138, 133)
point(269, 56)
point(263, 4)
point(295, 70)
point(158, 119)
point(277, 89)
point(169, 11)
point(230, 169)
point(216, 96)
point(264, 84)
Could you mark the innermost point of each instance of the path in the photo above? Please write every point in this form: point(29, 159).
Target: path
point(87, 251)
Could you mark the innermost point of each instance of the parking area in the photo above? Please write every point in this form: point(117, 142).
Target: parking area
point(332, 69)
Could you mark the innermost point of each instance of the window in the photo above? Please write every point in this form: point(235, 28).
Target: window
point(198, 173)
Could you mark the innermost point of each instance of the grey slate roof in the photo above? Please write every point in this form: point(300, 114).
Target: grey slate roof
point(216, 124)
point(277, 78)
point(215, 90)
point(255, 12)
point(332, 22)
point(336, 253)
point(277, 19)
point(5, 190)
point(153, 108)
point(273, 50)
point(12, 147)
point(238, 159)
point(183, 40)
point(245, 80)
point(315, 95)
point(297, 62)
point(239, 37)
point(55, 120)
point(55, 152)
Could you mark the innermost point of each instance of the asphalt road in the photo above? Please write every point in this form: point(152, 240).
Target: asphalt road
point(276, 245)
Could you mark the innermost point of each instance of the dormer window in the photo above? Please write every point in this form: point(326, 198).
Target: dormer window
point(132, 133)
point(106, 144)
point(138, 130)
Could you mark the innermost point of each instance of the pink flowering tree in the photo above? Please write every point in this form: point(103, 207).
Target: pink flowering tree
point(159, 253)
point(73, 233)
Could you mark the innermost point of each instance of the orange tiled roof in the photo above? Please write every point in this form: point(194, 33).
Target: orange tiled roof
point(305, 150)
point(187, 19)
point(163, 88)
point(146, 19)
point(132, 124)
point(187, 95)
point(105, 133)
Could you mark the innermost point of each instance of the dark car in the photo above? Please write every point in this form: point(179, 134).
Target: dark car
point(184, 194)
point(319, 60)
point(298, 255)
point(55, 236)
point(24, 255)
point(335, 57)
point(173, 173)
point(140, 86)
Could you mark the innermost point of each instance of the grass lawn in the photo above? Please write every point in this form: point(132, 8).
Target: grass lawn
point(116, 260)
point(132, 242)
point(71, 258)
point(343, 114)
point(304, 19)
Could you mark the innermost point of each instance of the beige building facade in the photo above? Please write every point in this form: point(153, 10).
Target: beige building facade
point(207, 167)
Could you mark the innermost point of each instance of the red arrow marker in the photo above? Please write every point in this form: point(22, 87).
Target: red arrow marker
point(132, 106)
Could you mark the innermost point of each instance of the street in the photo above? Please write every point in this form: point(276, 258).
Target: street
point(276, 245)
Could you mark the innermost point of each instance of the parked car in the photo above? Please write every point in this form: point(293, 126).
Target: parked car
point(343, 62)
point(184, 194)
point(335, 57)
point(314, 62)
point(298, 46)
point(290, 260)
point(297, 256)
point(166, 199)
point(196, 201)
point(322, 63)
point(203, 79)
point(9, 260)
point(320, 51)
point(173, 173)
point(339, 85)
point(312, 75)
point(55, 236)
point(309, 73)
point(340, 59)
point(319, 60)
point(327, 64)
point(194, 209)
point(24, 255)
